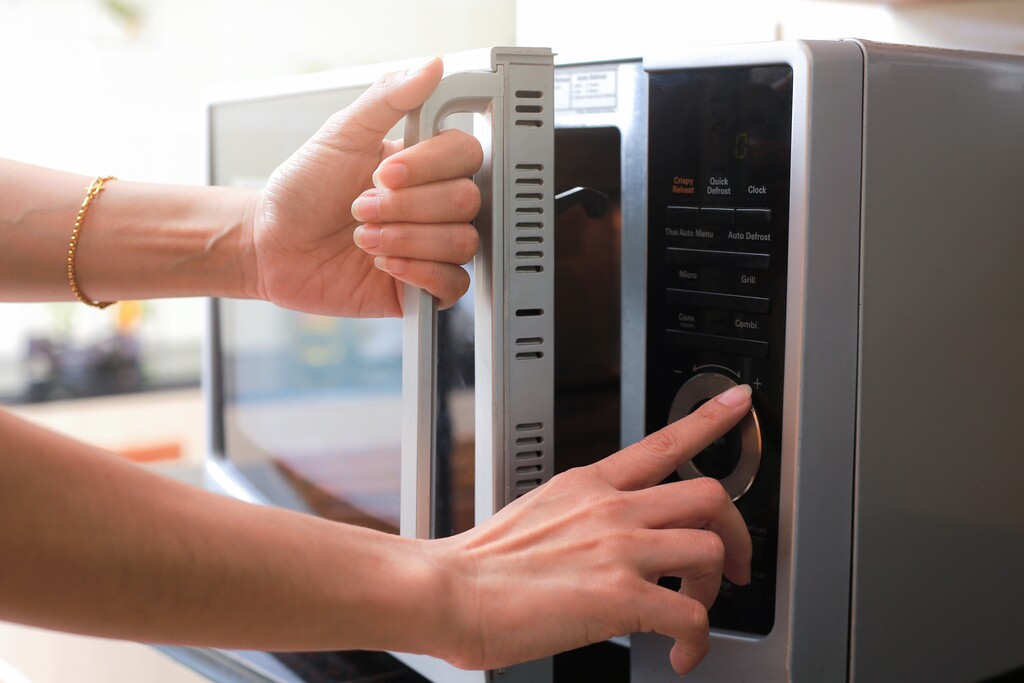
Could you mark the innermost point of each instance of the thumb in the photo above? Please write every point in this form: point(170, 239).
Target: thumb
point(364, 123)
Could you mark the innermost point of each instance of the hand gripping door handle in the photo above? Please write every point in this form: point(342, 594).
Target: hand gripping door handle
point(514, 292)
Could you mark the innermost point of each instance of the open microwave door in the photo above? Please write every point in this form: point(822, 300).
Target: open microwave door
point(510, 388)
point(302, 408)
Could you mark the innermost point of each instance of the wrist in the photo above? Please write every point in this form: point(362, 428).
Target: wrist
point(245, 281)
point(456, 629)
point(150, 241)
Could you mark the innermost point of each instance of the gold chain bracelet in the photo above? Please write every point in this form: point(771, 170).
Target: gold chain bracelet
point(90, 194)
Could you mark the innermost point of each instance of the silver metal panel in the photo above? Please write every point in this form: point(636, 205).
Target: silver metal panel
point(628, 113)
point(810, 636)
point(623, 107)
point(940, 516)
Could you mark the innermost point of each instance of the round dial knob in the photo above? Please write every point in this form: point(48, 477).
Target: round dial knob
point(733, 459)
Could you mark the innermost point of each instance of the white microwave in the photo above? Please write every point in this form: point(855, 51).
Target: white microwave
point(836, 223)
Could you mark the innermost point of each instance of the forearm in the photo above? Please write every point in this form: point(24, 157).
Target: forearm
point(96, 545)
point(138, 240)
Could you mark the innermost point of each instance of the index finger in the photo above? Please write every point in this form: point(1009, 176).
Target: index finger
point(452, 154)
point(649, 461)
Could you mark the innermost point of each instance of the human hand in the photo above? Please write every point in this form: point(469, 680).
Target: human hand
point(415, 204)
point(577, 561)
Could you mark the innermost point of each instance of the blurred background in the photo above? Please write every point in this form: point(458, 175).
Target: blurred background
point(118, 87)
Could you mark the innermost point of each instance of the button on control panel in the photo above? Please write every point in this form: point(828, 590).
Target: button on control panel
point(718, 238)
point(735, 458)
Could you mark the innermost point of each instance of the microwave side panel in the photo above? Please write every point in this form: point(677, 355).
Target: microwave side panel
point(940, 516)
point(810, 636)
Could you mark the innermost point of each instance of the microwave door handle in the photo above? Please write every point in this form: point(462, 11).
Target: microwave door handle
point(517, 98)
point(466, 92)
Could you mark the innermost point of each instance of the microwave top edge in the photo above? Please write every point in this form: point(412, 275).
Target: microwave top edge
point(800, 53)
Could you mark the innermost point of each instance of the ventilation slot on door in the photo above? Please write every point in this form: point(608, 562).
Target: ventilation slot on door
point(533, 354)
point(529, 255)
point(528, 111)
point(528, 467)
point(528, 202)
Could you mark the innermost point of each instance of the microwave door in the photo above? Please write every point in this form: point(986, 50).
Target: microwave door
point(512, 332)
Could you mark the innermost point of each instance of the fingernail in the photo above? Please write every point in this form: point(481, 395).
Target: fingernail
point(395, 266)
point(366, 237)
point(390, 176)
point(739, 572)
point(366, 207)
point(736, 396)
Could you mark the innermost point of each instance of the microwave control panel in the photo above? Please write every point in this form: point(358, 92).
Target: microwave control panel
point(718, 214)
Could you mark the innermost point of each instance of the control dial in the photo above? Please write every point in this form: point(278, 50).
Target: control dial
point(733, 459)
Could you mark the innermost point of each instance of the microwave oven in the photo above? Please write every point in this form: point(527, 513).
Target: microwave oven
point(835, 223)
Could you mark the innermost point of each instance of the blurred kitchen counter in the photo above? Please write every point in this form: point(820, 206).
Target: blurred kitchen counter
point(166, 430)
point(29, 655)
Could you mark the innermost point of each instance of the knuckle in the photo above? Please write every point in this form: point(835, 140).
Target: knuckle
point(696, 615)
point(712, 549)
point(711, 491)
point(466, 198)
point(619, 581)
point(662, 443)
point(570, 479)
point(469, 242)
point(620, 543)
point(394, 241)
point(341, 132)
point(452, 283)
point(461, 284)
point(466, 148)
point(707, 415)
point(392, 206)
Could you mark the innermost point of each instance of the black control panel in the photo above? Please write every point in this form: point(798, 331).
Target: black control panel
point(718, 215)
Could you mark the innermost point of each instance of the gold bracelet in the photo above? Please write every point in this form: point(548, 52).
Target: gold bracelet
point(90, 194)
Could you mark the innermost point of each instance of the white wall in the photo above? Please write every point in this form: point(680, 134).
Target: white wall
point(90, 92)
